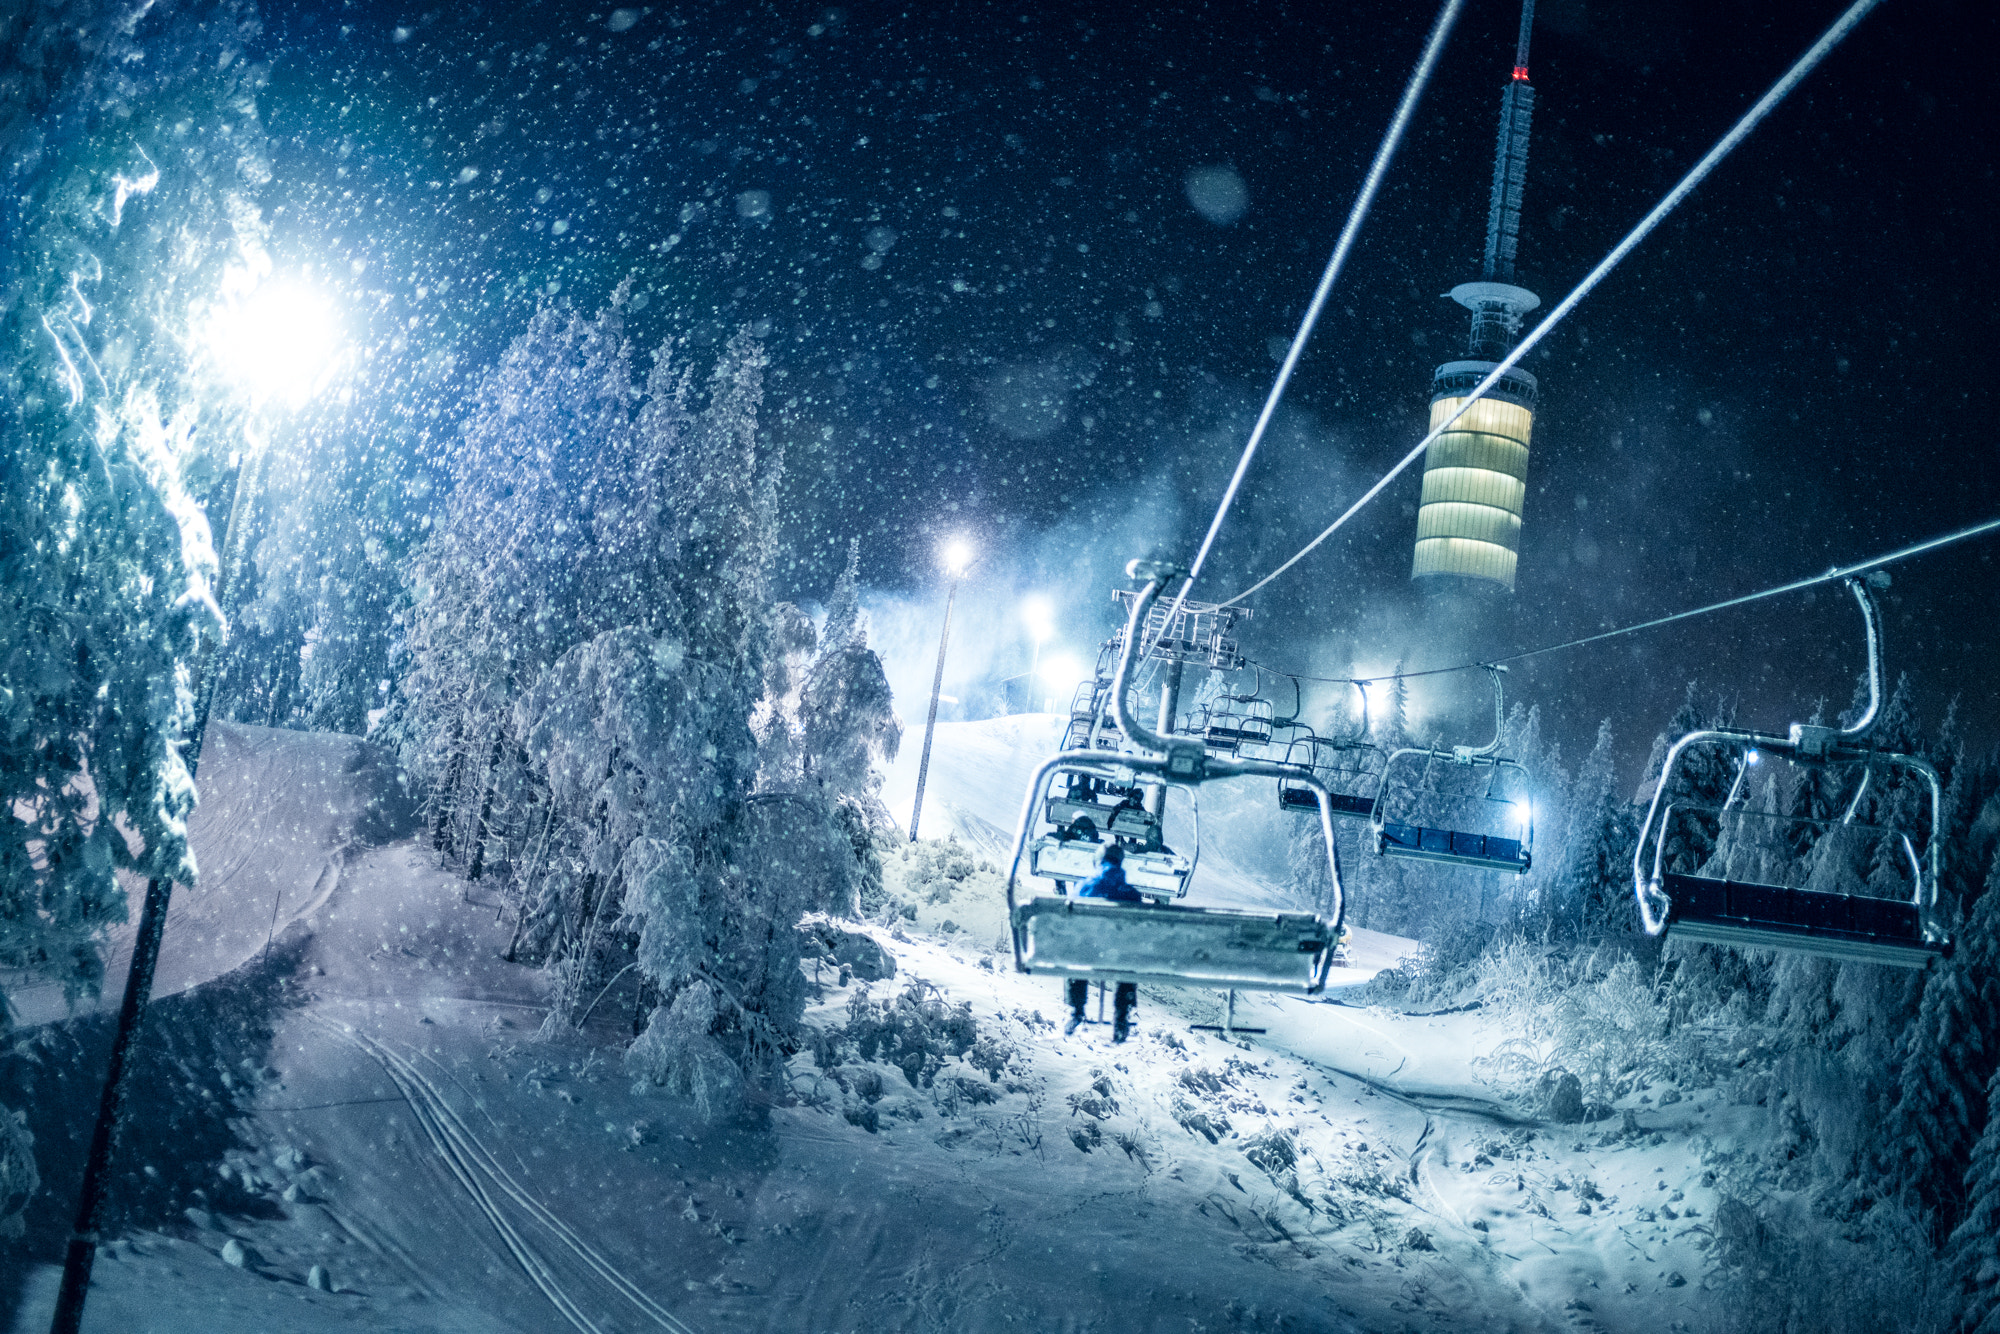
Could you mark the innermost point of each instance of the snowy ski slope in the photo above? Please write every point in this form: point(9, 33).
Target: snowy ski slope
point(360, 1130)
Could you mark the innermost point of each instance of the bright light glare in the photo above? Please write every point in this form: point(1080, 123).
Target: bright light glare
point(1524, 813)
point(1062, 671)
point(1040, 616)
point(957, 555)
point(280, 342)
point(1751, 756)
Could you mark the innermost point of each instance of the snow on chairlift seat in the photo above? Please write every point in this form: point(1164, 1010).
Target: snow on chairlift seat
point(1297, 797)
point(1157, 875)
point(1486, 852)
point(1301, 799)
point(1216, 947)
point(1232, 730)
point(1458, 847)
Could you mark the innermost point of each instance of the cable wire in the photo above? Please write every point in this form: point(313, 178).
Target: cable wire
point(1750, 119)
point(1370, 186)
point(1837, 572)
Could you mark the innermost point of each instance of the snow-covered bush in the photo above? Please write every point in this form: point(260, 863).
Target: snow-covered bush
point(1594, 1016)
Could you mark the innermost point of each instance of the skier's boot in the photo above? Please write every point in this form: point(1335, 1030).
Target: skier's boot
point(1121, 1013)
point(1071, 1026)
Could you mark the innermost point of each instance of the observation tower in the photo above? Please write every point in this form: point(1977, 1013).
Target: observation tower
point(1476, 474)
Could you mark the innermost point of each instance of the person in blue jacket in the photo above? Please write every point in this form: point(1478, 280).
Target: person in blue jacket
point(1108, 883)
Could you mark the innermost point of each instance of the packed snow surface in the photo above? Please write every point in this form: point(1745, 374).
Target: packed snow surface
point(371, 1136)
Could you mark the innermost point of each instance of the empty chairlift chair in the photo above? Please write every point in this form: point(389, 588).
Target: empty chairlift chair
point(1403, 832)
point(1724, 911)
point(1161, 941)
point(1322, 756)
point(1243, 720)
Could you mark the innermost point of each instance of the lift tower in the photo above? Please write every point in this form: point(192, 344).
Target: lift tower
point(1475, 475)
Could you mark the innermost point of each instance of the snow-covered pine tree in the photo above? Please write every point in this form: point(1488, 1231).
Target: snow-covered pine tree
point(844, 623)
point(716, 902)
point(1951, 1053)
point(513, 575)
point(1590, 895)
point(1701, 781)
point(1972, 1253)
point(105, 557)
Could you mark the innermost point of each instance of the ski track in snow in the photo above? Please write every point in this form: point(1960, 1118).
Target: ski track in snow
point(476, 1167)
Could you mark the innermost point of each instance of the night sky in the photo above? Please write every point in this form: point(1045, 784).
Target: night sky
point(992, 307)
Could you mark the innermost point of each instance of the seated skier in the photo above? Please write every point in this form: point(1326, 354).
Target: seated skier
point(1108, 883)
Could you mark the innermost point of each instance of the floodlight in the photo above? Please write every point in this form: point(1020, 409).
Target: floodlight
point(280, 341)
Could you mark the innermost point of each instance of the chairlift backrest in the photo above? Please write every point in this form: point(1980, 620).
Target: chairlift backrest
point(1842, 926)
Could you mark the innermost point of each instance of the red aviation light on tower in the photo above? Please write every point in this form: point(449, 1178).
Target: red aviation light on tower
point(1520, 74)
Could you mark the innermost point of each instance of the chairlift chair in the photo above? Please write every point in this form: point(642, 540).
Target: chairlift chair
point(1297, 796)
point(1854, 927)
point(1247, 724)
point(1163, 941)
point(1418, 841)
point(1093, 808)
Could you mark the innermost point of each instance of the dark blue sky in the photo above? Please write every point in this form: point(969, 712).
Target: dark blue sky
point(990, 303)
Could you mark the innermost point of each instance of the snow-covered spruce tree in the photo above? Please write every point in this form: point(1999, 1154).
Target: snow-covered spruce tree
point(1972, 1254)
point(1952, 1048)
point(129, 158)
point(514, 575)
point(1589, 897)
point(717, 901)
point(848, 722)
point(1844, 1025)
point(1701, 780)
point(317, 595)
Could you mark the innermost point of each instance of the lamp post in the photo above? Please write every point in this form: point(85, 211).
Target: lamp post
point(286, 368)
point(957, 555)
point(1035, 611)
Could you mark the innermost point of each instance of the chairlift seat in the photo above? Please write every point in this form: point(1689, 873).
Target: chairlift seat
point(1306, 802)
point(1834, 926)
point(1487, 852)
point(1126, 821)
point(1203, 947)
point(1249, 730)
point(1157, 875)
point(1077, 735)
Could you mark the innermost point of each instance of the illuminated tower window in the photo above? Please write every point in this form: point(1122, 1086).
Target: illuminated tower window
point(1476, 473)
point(1475, 476)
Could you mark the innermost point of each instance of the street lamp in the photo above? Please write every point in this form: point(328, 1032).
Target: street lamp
point(1041, 624)
point(956, 557)
point(280, 343)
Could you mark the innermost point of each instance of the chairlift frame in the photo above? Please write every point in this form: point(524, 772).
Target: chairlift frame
point(1169, 943)
point(1299, 797)
point(1485, 852)
point(1849, 927)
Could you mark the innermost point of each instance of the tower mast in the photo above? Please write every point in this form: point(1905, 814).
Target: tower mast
point(1475, 475)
